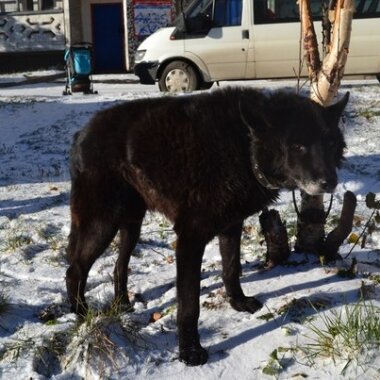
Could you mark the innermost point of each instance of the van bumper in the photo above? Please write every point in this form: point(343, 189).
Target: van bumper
point(146, 71)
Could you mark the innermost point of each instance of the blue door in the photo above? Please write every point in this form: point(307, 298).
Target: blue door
point(108, 37)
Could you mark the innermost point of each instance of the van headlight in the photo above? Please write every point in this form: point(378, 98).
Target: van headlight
point(139, 55)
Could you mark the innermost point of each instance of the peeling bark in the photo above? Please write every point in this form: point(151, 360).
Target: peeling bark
point(309, 38)
point(325, 88)
point(325, 76)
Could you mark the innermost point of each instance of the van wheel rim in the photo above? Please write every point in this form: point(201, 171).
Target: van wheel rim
point(177, 81)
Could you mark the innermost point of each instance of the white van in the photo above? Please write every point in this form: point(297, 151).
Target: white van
point(215, 40)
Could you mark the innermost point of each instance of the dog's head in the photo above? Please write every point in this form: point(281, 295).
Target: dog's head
point(298, 143)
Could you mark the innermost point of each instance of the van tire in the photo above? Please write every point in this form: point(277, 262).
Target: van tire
point(178, 76)
point(378, 77)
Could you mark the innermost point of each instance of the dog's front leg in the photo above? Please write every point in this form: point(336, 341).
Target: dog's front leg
point(229, 244)
point(189, 254)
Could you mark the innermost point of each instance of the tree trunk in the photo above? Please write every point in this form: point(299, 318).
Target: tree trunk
point(325, 77)
point(310, 224)
point(276, 238)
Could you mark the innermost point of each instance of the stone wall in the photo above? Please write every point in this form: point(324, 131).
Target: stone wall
point(32, 32)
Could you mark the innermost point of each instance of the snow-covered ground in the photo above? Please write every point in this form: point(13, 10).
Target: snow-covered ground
point(40, 339)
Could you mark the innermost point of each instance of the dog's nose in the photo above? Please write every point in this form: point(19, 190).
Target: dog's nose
point(329, 185)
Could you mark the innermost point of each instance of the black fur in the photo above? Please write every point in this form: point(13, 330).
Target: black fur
point(191, 158)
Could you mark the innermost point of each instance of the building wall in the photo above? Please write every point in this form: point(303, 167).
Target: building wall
point(44, 34)
point(73, 20)
point(31, 40)
point(31, 31)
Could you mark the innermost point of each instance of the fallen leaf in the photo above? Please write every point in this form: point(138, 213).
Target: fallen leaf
point(155, 317)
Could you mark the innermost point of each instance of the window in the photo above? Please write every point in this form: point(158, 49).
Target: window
point(276, 11)
point(221, 12)
point(47, 4)
point(29, 5)
point(227, 12)
point(367, 8)
point(199, 17)
point(202, 7)
point(8, 6)
point(202, 15)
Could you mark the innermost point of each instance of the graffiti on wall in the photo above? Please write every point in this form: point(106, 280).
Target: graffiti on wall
point(151, 15)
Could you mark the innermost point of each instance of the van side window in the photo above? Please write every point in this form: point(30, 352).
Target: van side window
point(367, 8)
point(199, 17)
point(277, 11)
point(202, 7)
point(227, 12)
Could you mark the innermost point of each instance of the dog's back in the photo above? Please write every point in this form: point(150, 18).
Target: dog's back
point(181, 152)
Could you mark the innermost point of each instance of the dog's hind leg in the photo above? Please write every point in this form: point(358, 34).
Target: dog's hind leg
point(189, 252)
point(91, 239)
point(129, 235)
point(229, 244)
point(73, 238)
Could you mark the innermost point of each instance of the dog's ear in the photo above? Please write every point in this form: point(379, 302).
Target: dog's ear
point(335, 111)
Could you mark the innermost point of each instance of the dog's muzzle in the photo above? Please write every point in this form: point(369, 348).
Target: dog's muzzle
point(318, 187)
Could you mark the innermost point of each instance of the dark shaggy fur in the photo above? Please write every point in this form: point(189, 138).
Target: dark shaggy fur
point(207, 162)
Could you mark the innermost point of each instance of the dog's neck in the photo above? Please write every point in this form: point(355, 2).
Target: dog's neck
point(260, 176)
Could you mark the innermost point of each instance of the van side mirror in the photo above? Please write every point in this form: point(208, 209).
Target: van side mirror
point(199, 24)
point(180, 27)
point(196, 21)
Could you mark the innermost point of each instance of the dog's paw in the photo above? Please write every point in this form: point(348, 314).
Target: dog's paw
point(250, 304)
point(193, 356)
point(332, 257)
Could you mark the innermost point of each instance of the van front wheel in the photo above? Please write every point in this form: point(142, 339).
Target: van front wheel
point(178, 76)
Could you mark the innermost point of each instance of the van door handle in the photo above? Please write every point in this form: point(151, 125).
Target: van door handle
point(245, 34)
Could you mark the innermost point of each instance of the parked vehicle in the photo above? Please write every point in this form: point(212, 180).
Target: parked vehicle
point(215, 40)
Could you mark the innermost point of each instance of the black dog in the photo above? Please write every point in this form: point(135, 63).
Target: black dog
point(207, 162)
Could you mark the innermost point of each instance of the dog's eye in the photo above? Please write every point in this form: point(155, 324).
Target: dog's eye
point(299, 148)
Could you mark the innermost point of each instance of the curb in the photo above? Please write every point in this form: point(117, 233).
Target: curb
point(33, 80)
